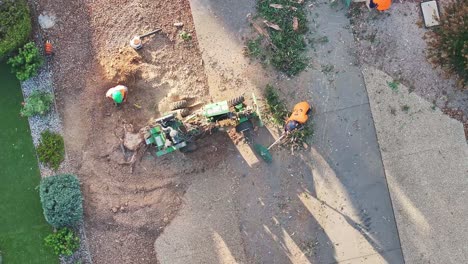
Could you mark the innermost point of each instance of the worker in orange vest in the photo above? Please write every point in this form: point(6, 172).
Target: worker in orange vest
point(118, 94)
point(298, 117)
point(380, 5)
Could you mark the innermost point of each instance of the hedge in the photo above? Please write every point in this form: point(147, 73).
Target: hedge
point(61, 200)
point(15, 25)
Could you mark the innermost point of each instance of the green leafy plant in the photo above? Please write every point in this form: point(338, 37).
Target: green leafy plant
point(275, 106)
point(27, 63)
point(185, 36)
point(393, 85)
point(15, 25)
point(448, 43)
point(51, 150)
point(287, 48)
point(405, 108)
point(61, 200)
point(38, 103)
point(63, 242)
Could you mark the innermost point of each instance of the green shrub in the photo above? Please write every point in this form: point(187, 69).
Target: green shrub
point(61, 200)
point(15, 25)
point(27, 63)
point(51, 150)
point(448, 43)
point(63, 242)
point(38, 103)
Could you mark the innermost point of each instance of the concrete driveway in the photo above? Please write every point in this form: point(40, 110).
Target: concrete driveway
point(328, 204)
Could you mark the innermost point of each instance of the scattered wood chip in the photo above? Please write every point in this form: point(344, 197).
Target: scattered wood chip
point(295, 24)
point(271, 25)
point(261, 31)
point(300, 1)
point(277, 6)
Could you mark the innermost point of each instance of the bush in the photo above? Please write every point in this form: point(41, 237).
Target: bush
point(38, 103)
point(27, 63)
point(61, 200)
point(448, 44)
point(63, 242)
point(51, 149)
point(15, 25)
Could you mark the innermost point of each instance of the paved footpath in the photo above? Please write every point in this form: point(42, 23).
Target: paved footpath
point(426, 162)
point(329, 204)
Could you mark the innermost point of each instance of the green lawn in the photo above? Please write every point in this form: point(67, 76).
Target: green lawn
point(22, 224)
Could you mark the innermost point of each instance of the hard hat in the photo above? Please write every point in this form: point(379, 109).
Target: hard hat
point(291, 125)
point(117, 97)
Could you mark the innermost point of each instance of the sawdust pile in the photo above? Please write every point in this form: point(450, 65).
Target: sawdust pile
point(122, 67)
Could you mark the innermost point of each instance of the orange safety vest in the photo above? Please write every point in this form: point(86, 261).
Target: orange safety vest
point(299, 113)
point(383, 5)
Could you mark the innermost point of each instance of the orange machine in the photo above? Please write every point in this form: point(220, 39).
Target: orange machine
point(300, 113)
point(382, 5)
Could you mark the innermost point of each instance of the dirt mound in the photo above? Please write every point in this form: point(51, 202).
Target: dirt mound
point(123, 67)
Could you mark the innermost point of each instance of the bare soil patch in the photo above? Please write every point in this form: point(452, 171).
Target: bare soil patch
point(124, 211)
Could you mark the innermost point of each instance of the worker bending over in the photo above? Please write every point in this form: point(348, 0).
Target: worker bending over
point(118, 94)
point(298, 117)
point(380, 5)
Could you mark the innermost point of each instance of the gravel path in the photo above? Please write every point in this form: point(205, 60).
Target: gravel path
point(51, 121)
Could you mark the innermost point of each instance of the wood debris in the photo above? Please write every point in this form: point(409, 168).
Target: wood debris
point(295, 24)
point(277, 6)
point(271, 25)
point(261, 31)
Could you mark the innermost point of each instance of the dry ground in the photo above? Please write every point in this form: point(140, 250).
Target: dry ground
point(124, 212)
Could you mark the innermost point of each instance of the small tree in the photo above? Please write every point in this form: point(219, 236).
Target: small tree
point(15, 25)
point(448, 44)
point(61, 200)
point(27, 63)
